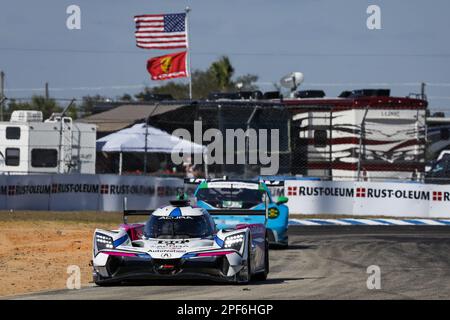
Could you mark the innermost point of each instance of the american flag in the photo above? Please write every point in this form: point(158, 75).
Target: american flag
point(161, 31)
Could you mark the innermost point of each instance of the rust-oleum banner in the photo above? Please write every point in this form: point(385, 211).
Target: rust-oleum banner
point(394, 199)
point(97, 192)
point(168, 66)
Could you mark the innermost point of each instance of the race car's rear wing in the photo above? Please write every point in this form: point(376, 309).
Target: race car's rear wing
point(236, 212)
point(240, 212)
point(268, 182)
point(127, 213)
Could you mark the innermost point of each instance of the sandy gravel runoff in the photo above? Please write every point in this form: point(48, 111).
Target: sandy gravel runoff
point(37, 248)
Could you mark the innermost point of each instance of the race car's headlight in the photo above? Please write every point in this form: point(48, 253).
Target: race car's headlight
point(234, 242)
point(273, 213)
point(103, 241)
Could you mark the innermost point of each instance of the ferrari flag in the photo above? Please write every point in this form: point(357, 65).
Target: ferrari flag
point(168, 66)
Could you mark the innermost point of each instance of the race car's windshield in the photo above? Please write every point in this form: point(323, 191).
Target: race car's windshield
point(181, 227)
point(231, 198)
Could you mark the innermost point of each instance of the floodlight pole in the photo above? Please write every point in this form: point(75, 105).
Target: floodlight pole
point(188, 62)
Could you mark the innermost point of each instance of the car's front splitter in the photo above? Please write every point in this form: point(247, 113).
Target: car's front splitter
point(118, 269)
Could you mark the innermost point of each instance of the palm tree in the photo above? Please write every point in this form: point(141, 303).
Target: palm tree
point(223, 71)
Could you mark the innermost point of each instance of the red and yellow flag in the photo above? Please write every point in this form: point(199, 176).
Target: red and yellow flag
point(168, 66)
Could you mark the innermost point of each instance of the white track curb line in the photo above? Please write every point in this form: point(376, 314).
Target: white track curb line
point(369, 222)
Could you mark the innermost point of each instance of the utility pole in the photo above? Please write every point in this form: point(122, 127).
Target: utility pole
point(2, 93)
point(46, 91)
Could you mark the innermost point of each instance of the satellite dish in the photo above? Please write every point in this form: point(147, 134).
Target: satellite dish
point(292, 80)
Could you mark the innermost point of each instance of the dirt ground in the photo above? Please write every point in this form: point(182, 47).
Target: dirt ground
point(36, 248)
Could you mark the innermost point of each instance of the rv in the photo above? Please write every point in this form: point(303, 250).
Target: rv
point(360, 135)
point(29, 145)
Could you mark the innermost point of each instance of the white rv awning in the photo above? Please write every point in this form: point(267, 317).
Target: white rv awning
point(158, 141)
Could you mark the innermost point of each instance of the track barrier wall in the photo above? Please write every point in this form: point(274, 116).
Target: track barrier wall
point(105, 192)
point(394, 199)
point(85, 192)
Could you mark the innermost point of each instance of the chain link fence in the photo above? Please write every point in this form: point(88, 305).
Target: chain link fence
point(315, 141)
point(324, 138)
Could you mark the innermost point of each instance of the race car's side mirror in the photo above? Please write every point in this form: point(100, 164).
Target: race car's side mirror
point(282, 200)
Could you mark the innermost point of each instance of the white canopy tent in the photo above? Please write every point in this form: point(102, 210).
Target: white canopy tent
point(147, 139)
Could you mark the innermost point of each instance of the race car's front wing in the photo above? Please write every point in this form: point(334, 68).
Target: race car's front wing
point(215, 267)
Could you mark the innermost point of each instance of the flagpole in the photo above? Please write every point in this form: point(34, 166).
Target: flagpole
point(188, 52)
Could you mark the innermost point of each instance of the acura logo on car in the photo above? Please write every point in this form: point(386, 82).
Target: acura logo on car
point(166, 255)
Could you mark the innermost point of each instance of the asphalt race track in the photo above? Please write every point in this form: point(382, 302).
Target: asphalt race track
point(327, 262)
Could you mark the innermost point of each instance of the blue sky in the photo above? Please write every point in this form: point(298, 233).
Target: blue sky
point(327, 40)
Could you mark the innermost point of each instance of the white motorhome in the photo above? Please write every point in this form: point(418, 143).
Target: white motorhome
point(365, 134)
point(29, 145)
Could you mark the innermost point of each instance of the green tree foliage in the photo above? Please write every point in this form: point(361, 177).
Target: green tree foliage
point(217, 78)
point(248, 82)
point(126, 97)
point(222, 71)
point(203, 82)
point(88, 103)
point(40, 103)
point(175, 89)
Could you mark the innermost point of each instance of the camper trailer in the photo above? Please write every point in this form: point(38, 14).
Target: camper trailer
point(29, 145)
point(363, 134)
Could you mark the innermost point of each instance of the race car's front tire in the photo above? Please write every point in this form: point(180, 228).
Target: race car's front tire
point(245, 275)
point(261, 276)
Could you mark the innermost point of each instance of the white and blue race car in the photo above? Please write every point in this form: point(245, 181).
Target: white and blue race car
point(181, 242)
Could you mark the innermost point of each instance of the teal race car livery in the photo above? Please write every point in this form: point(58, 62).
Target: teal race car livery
point(227, 197)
